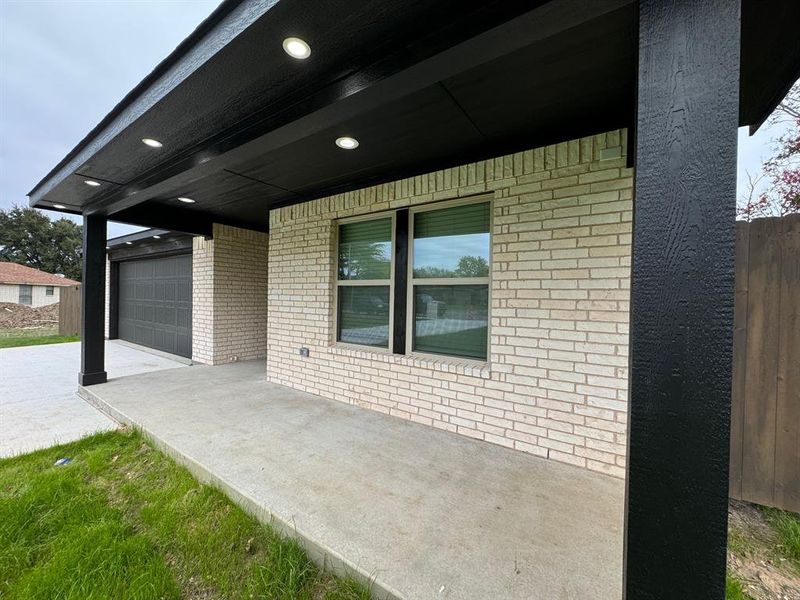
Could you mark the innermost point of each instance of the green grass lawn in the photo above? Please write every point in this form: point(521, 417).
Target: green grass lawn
point(123, 521)
point(36, 340)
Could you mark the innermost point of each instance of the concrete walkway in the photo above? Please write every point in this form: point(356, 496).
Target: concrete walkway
point(427, 514)
point(38, 402)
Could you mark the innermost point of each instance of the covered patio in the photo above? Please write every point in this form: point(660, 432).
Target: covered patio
point(589, 151)
point(417, 512)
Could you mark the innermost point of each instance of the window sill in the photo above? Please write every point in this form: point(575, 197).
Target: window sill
point(444, 364)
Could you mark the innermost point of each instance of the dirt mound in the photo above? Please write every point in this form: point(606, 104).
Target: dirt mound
point(14, 316)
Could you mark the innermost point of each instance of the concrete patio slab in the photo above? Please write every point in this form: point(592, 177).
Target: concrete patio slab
point(425, 513)
point(38, 403)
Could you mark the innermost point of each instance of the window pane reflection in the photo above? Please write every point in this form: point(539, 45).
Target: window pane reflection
point(365, 249)
point(451, 319)
point(364, 315)
point(452, 242)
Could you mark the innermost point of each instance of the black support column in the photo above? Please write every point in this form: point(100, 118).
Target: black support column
point(682, 299)
point(93, 293)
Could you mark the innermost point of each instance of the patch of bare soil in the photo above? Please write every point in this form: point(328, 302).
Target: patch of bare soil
point(752, 558)
point(19, 316)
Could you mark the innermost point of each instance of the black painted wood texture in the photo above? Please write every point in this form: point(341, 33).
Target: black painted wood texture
point(682, 299)
point(400, 280)
point(93, 297)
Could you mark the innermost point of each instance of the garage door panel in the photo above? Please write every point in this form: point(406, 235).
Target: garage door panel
point(155, 303)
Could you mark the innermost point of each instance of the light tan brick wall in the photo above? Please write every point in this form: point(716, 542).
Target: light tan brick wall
point(556, 381)
point(203, 300)
point(229, 312)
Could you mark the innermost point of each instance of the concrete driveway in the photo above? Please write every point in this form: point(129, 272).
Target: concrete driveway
point(38, 403)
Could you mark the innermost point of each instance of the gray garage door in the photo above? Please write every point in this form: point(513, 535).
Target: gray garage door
point(155, 303)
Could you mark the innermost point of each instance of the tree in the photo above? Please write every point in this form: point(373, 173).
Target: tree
point(468, 266)
point(362, 260)
point(30, 238)
point(780, 174)
point(472, 266)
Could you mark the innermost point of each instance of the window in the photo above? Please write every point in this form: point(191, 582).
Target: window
point(48, 291)
point(449, 280)
point(441, 299)
point(25, 294)
point(364, 282)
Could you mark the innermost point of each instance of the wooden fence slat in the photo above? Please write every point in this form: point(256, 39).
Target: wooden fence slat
point(763, 304)
point(739, 358)
point(787, 443)
point(69, 310)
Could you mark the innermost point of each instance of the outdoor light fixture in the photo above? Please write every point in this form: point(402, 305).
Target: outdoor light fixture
point(156, 237)
point(296, 48)
point(152, 143)
point(91, 183)
point(347, 143)
point(59, 206)
point(129, 243)
point(186, 200)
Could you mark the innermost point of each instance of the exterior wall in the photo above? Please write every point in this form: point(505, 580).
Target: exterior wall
point(203, 300)
point(229, 312)
point(556, 382)
point(9, 292)
point(40, 297)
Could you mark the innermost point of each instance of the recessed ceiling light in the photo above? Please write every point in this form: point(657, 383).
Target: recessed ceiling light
point(186, 200)
point(129, 243)
point(91, 182)
point(156, 237)
point(347, 143)
point(59, 206)
point(296, 48)
point(152, 143)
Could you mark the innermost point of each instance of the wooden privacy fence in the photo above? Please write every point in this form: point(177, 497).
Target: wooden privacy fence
point(765, 409)
point(69, 310)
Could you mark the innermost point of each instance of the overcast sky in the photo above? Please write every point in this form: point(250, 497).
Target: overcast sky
point(65, 64)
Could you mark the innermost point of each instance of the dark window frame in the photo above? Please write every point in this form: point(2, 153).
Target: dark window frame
point(49, 290)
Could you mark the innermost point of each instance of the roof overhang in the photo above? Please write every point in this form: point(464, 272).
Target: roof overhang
point(246, 128)
point(148, 243)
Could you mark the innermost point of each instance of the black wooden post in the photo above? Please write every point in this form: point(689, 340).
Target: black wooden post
point(400, 280)
point(682, 299)
point(93, 293)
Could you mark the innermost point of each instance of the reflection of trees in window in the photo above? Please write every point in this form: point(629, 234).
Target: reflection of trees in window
point(364, 260)
point(472, 266)
point(468, 266)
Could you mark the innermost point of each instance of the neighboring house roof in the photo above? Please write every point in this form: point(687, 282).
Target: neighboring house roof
point(14, 273)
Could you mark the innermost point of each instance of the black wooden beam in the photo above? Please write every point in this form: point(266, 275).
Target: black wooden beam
point(400, 280)
point(682, 299)
point(93, 296)
point(182, 245)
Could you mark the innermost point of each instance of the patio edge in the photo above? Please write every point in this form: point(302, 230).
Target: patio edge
point(320, 554)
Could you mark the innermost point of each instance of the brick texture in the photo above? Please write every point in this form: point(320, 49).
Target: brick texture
point(229, 310)
point(556, 381)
